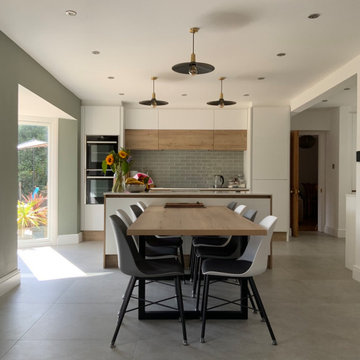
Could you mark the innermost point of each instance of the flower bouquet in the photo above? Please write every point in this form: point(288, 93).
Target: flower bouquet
point(119, 163)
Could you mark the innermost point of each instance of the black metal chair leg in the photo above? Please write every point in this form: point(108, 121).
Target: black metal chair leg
point(191, 265)
point(252, 301)
point(198, 285)
point(182, 260)
point(122, 311)
point(196, 264)
point(181, 308)
point(262, 309)
point(204, 307)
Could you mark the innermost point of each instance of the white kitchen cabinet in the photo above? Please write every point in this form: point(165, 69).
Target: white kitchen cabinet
point(186, 119)
point(101, 120)
point(236, 119)
point(141, 119)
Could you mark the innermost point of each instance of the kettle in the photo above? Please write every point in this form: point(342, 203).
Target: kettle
point(218, 181)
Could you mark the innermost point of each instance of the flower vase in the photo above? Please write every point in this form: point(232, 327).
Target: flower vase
point(118, 185)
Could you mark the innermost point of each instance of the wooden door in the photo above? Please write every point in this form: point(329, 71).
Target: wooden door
point(294, 183)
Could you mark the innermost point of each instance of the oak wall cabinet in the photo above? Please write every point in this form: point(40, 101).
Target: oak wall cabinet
point(142, 139)
point(186, 139)
point(230, 140)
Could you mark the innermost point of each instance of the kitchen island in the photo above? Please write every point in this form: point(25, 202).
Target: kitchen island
point(113, 201)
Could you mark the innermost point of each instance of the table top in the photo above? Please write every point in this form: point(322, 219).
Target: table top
point(211, 220)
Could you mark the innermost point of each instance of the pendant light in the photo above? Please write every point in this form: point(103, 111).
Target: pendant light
point(193, 67)
point(153, 102)
point(221, 102)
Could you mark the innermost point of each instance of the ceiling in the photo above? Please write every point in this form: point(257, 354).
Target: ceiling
point(144, 38)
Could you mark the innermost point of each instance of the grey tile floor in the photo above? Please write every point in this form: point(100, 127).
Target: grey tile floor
point(312, 302)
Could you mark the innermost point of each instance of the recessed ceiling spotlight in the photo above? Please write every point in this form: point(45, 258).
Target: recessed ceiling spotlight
point(281, 54)
point(71, 12)
point(246, 95)
point(261, 78)
point(314, 16)
point(324, 100)
point(121, 94)
point(111, 77)
point(347, 88)
point(95, 52)
point(184, 94)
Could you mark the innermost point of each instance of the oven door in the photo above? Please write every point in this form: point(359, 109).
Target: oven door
point(96, 151)
point(96, 186)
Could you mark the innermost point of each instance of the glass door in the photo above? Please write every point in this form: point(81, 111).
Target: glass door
point(34, 185)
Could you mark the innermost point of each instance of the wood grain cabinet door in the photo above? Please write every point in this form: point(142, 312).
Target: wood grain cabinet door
point(142, 139)
point(186, 139)
point(230, 140)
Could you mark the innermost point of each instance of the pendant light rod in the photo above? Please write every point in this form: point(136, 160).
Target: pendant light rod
point(193, 67)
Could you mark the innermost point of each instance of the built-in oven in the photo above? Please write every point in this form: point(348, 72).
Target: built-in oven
point(97, 183)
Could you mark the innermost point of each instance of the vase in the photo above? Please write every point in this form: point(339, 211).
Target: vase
point(118, 185)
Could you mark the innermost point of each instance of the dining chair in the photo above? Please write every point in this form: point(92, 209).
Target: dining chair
point(251, 263)
point(232, 250)
point(131, 263)
point(158, 242)
point(207, 241)
point(229, 248)
point(150, 251)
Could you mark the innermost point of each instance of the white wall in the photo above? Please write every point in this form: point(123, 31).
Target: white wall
point(337, 124)
point(270, 157)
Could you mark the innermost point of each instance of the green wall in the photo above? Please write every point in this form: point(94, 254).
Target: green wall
point(16, 67)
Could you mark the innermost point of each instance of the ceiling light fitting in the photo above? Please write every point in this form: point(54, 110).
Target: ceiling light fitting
point(347, 88)
point(95, 52)
point(221, 102)
point(314, 16)
point(193, 67)
point(281, 54)
point(153, 102)
point(71, 12)
point(261, 78)
point(111, 77)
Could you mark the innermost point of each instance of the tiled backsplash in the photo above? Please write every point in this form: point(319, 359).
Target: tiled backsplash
point(188, 168)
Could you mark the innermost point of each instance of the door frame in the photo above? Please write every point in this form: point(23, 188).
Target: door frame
point(53, 126)
point(321, 175)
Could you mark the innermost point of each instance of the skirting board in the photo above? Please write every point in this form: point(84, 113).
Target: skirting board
point(339, 233)
point(9, 281)
point(356, 273)
point(69, 239)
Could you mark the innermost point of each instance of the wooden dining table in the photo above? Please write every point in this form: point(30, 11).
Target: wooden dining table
point(193, 221)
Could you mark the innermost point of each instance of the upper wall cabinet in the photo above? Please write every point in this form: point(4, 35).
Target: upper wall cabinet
point(236, 119)
point(186, 119)
point(138, 119)
point(101, 120)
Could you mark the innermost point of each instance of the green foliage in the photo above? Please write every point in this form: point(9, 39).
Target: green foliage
point(32, 211)
point(32, 163)
point(118, 161)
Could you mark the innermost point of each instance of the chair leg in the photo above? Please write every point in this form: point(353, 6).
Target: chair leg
point(196, 264)
point(182, 260)
point(122, 311)
point(252, 301)
point(192, 260)
point(262, 309)
point(204, 307)
point(181, 307)
point(198, 285)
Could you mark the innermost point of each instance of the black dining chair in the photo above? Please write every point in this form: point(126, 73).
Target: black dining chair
point(251, 263)
point(133, 264)
point(160, 243)
point(232, 250)
point(150, 251)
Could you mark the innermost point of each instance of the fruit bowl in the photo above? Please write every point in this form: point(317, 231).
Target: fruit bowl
point(135, 187)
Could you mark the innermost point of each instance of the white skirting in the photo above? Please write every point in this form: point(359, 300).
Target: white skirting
point(9, 281)
point(69, 239)
point(356, 273)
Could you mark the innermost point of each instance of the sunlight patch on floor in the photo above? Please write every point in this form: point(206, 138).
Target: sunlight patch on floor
point(47, 264)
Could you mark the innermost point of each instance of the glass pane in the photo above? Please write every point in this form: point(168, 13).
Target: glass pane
point(32, 182)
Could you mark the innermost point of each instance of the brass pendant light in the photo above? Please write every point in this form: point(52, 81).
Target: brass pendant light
point(193, 67)
point(221, 102)
point(153, 102)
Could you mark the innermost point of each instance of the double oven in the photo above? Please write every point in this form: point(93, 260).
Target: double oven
point(97, 147)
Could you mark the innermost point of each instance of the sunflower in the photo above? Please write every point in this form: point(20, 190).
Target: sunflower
point(110, 159)
point(122, 154)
